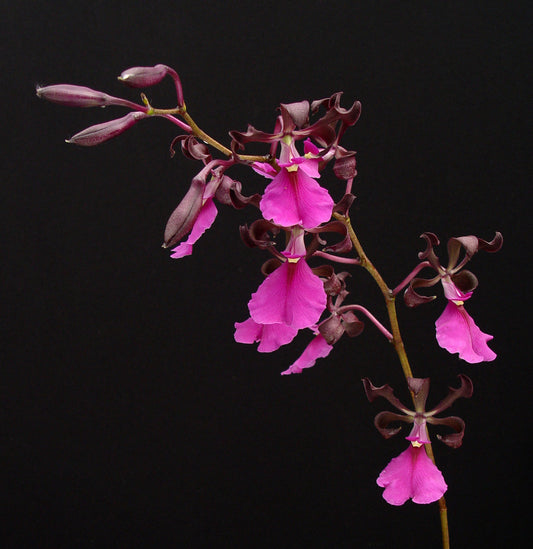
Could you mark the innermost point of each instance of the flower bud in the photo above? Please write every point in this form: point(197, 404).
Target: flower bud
point(73, 96)
point(94, 135)
point(142, 77)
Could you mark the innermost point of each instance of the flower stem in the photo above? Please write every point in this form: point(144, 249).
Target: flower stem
point(198, 132)
point(390, 302)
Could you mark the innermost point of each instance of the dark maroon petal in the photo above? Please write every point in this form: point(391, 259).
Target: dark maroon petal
point(386, 392)
point(465, 390)
point(183, 217)
point(384, 419)
point(465, 281)
point(456, 423)
point(413, 298)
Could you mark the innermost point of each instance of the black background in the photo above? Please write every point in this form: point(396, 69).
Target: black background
point(129, 416)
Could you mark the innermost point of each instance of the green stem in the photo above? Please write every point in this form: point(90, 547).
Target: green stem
point(390, 302)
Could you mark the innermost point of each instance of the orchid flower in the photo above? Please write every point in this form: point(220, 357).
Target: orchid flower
point(292, 294)
point(294, 197)
point(412, 475)
point(455, 329)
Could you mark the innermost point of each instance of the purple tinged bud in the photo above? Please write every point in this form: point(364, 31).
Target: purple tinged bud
point(94, 135)
point(142, 77)
point(73, 96)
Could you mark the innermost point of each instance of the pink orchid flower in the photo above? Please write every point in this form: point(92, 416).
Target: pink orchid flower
point(291, 295)
point(412, 474)
point(456, 331)
point(294, 197)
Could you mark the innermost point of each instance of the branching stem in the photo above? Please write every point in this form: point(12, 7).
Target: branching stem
point(198, 132)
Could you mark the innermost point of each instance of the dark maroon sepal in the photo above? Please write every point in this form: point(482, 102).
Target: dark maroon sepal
point(465, 390)
point(419, 387)
point(429, 253)
point(294, 115)
point(386, 392)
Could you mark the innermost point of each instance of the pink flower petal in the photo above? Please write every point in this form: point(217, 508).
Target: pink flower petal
point(291, 295)
point(205, 219)
point(318, 348)
point(294, 198)
point(413, 475)
point(458, 333)
point(270, 336)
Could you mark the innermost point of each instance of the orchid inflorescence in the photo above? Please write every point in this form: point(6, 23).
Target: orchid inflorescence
point(307, 233)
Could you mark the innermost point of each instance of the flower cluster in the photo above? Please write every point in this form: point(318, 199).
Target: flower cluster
point(305, 227)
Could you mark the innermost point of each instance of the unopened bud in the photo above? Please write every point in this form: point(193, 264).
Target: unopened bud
point(142, 77)
point(94, 135)
point(73, 96)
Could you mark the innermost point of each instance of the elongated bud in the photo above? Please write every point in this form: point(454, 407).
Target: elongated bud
point(184, 216)
point(142, 77)
point(73, 96)
point(94, 135)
